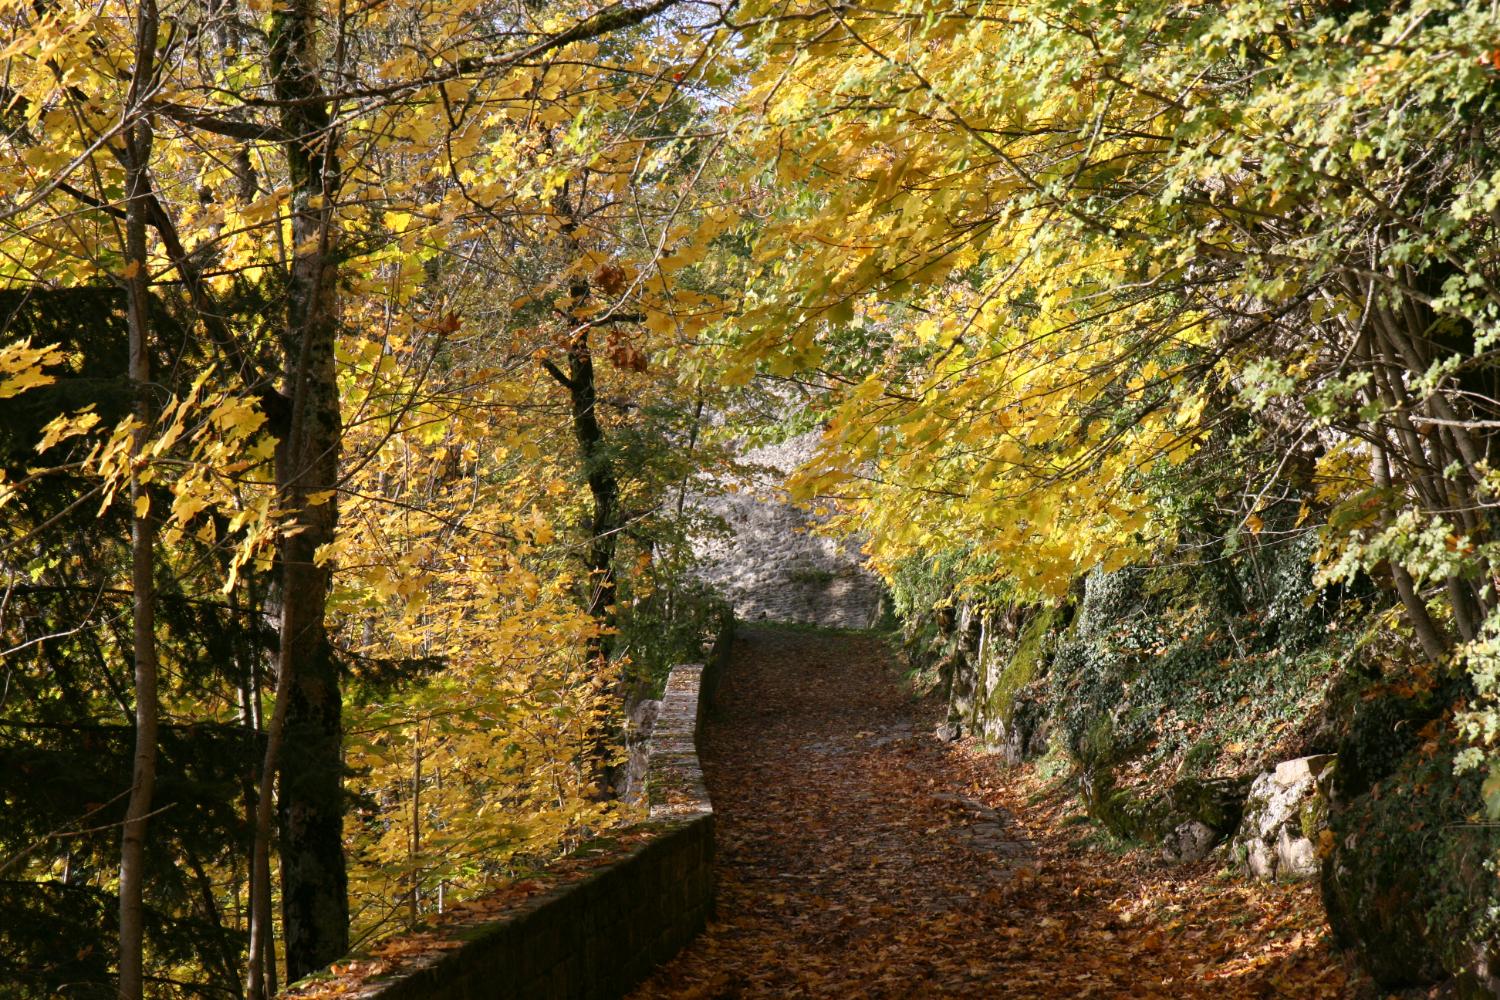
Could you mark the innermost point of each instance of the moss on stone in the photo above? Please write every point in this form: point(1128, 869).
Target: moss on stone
point(1033, 647)
point(1313, 817)
point(1406, 884)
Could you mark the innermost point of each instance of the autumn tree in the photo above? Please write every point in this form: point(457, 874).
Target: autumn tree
point(266, 177)
point(1089, 287)
point(1064, 284)
point(137, 161)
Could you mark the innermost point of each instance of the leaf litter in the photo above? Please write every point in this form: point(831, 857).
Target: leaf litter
point(860, 857)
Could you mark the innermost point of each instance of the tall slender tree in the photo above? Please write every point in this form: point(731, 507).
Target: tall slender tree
point(137, 159)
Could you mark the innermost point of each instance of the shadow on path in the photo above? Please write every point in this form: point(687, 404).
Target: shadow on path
point(859, 857)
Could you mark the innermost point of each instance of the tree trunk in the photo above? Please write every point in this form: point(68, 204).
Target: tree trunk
point(604, 738)
point(143, 525)
point(604, 489)
point(262, 955)
point(414, 899)
point(305, 739)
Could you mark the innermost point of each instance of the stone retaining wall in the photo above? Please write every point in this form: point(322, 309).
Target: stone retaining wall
point(596, 937)
point(773, 565)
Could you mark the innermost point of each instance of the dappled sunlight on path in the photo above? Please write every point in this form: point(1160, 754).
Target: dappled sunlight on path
point(859, 857)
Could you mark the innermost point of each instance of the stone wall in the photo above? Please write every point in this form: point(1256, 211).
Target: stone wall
point(599, 931)
point(772, 566)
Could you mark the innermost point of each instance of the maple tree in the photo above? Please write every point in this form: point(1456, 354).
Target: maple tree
point(1040, 255)
point(343, 440)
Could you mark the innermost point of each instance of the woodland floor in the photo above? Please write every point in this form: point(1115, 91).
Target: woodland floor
point(860, 857)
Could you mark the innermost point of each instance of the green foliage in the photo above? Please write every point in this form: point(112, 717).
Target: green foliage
point(1183, 683)
point(926, 593)
point(65, 747)
point(1164, 681)
point(65, 779)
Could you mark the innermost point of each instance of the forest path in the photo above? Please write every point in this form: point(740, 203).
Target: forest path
point(858, 857)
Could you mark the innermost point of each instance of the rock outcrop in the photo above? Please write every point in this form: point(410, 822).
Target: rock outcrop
point(1285, 815)
point(1190, 841)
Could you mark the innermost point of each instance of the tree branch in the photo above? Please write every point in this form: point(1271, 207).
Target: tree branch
point(556, 373)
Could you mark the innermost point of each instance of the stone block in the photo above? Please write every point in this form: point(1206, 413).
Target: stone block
point(1285, 814)
point(1190, 841)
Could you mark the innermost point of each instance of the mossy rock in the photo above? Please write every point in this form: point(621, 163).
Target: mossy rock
point(1217, 803)
point(1033, 648)
point(1408, 879)
point(1120, 811)
point(1312, 818)
point(1015, 714)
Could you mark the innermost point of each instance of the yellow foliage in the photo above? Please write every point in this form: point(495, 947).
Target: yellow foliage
point(1016, 403)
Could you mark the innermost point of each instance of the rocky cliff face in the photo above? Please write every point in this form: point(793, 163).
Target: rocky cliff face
point(771, 565)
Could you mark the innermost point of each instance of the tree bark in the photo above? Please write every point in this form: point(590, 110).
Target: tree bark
point(607, 521)
point(143, 525)
point(305, 739)
point(262, 954)
point(604, 526)
point(604, 490)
